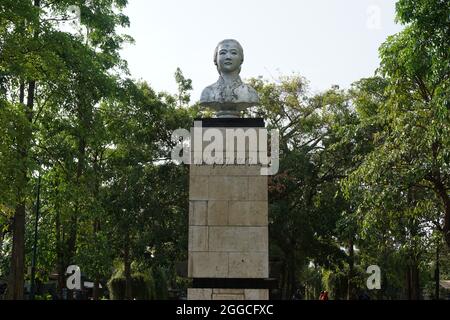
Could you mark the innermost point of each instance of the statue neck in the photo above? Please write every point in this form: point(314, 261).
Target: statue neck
point(230, 78)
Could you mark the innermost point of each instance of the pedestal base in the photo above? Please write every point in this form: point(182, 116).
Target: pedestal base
point(228, 294)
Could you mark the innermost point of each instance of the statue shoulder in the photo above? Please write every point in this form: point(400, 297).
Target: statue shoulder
point(250, 93)
point(208, 93)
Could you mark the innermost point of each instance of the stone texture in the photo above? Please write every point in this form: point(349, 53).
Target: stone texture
point(228, 296)
point(256, 294)
point(238, 239)
point(198, 213)
point(257, 188)
point(217, 213)
point(199, 294)
point(228, 291)
point(198, 238)
point(248, 213)
point(208, 265)
point(228, 188)
point(198, 188)
point(235, 170)
point(199, 170)
point(248, 265)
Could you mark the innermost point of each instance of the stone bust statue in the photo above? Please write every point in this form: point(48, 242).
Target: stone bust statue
point(229, 95)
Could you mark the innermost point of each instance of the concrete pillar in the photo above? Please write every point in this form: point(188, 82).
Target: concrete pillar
point(228, 219)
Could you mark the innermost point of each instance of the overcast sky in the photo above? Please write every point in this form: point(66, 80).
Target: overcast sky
point(327, 41)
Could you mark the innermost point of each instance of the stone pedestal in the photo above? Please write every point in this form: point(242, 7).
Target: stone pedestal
point(228, 223)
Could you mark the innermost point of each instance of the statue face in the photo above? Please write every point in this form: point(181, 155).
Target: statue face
point(229, 58)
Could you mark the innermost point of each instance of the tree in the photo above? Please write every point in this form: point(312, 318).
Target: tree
point(36, 61)
point(145, 194)
point(403, 176)
point(184, 86)
point(416, 134)
point(305, 203)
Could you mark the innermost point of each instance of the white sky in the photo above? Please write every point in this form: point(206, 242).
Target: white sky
point(327, 41)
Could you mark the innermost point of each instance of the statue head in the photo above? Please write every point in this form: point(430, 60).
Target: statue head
point(228, 56)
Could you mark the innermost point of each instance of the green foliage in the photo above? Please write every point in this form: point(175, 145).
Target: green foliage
point(47, 296)
point(184, 86)
point(15, 130)
point(140, 283)
point(160, 284)
point(305, 199)
point(148, 285)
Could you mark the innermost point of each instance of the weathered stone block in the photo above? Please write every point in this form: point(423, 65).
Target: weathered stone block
point(235, 170)
point(256, 294)
point(198, 238)
point(257, 188)
point(198, 213)
point(248, 213)
point(199, 170)
point(238, 239)
point(228, 291)
point(208, 265)
point(217, 213)
point(228, 296)
point(228, 188)
point(248, 265)
point(198, 187)
point(199, 294)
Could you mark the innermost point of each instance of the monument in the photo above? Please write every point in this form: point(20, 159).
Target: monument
point(229, 95)
point(228, 201)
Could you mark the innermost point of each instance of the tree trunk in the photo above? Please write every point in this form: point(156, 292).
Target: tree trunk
point(283, 280)
point(415, 282)
point(437, 275)
point(413, 285)
point(59, 254)
point(292, 284)
point(127, 267)
point(351, 262)
point(96, 223)
point(73, 228)
point(443, 194)
point(2, 235)
point(16, 275)
point(408, 283)
point(288, 279)
point(17, 263)
point(96, 290)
